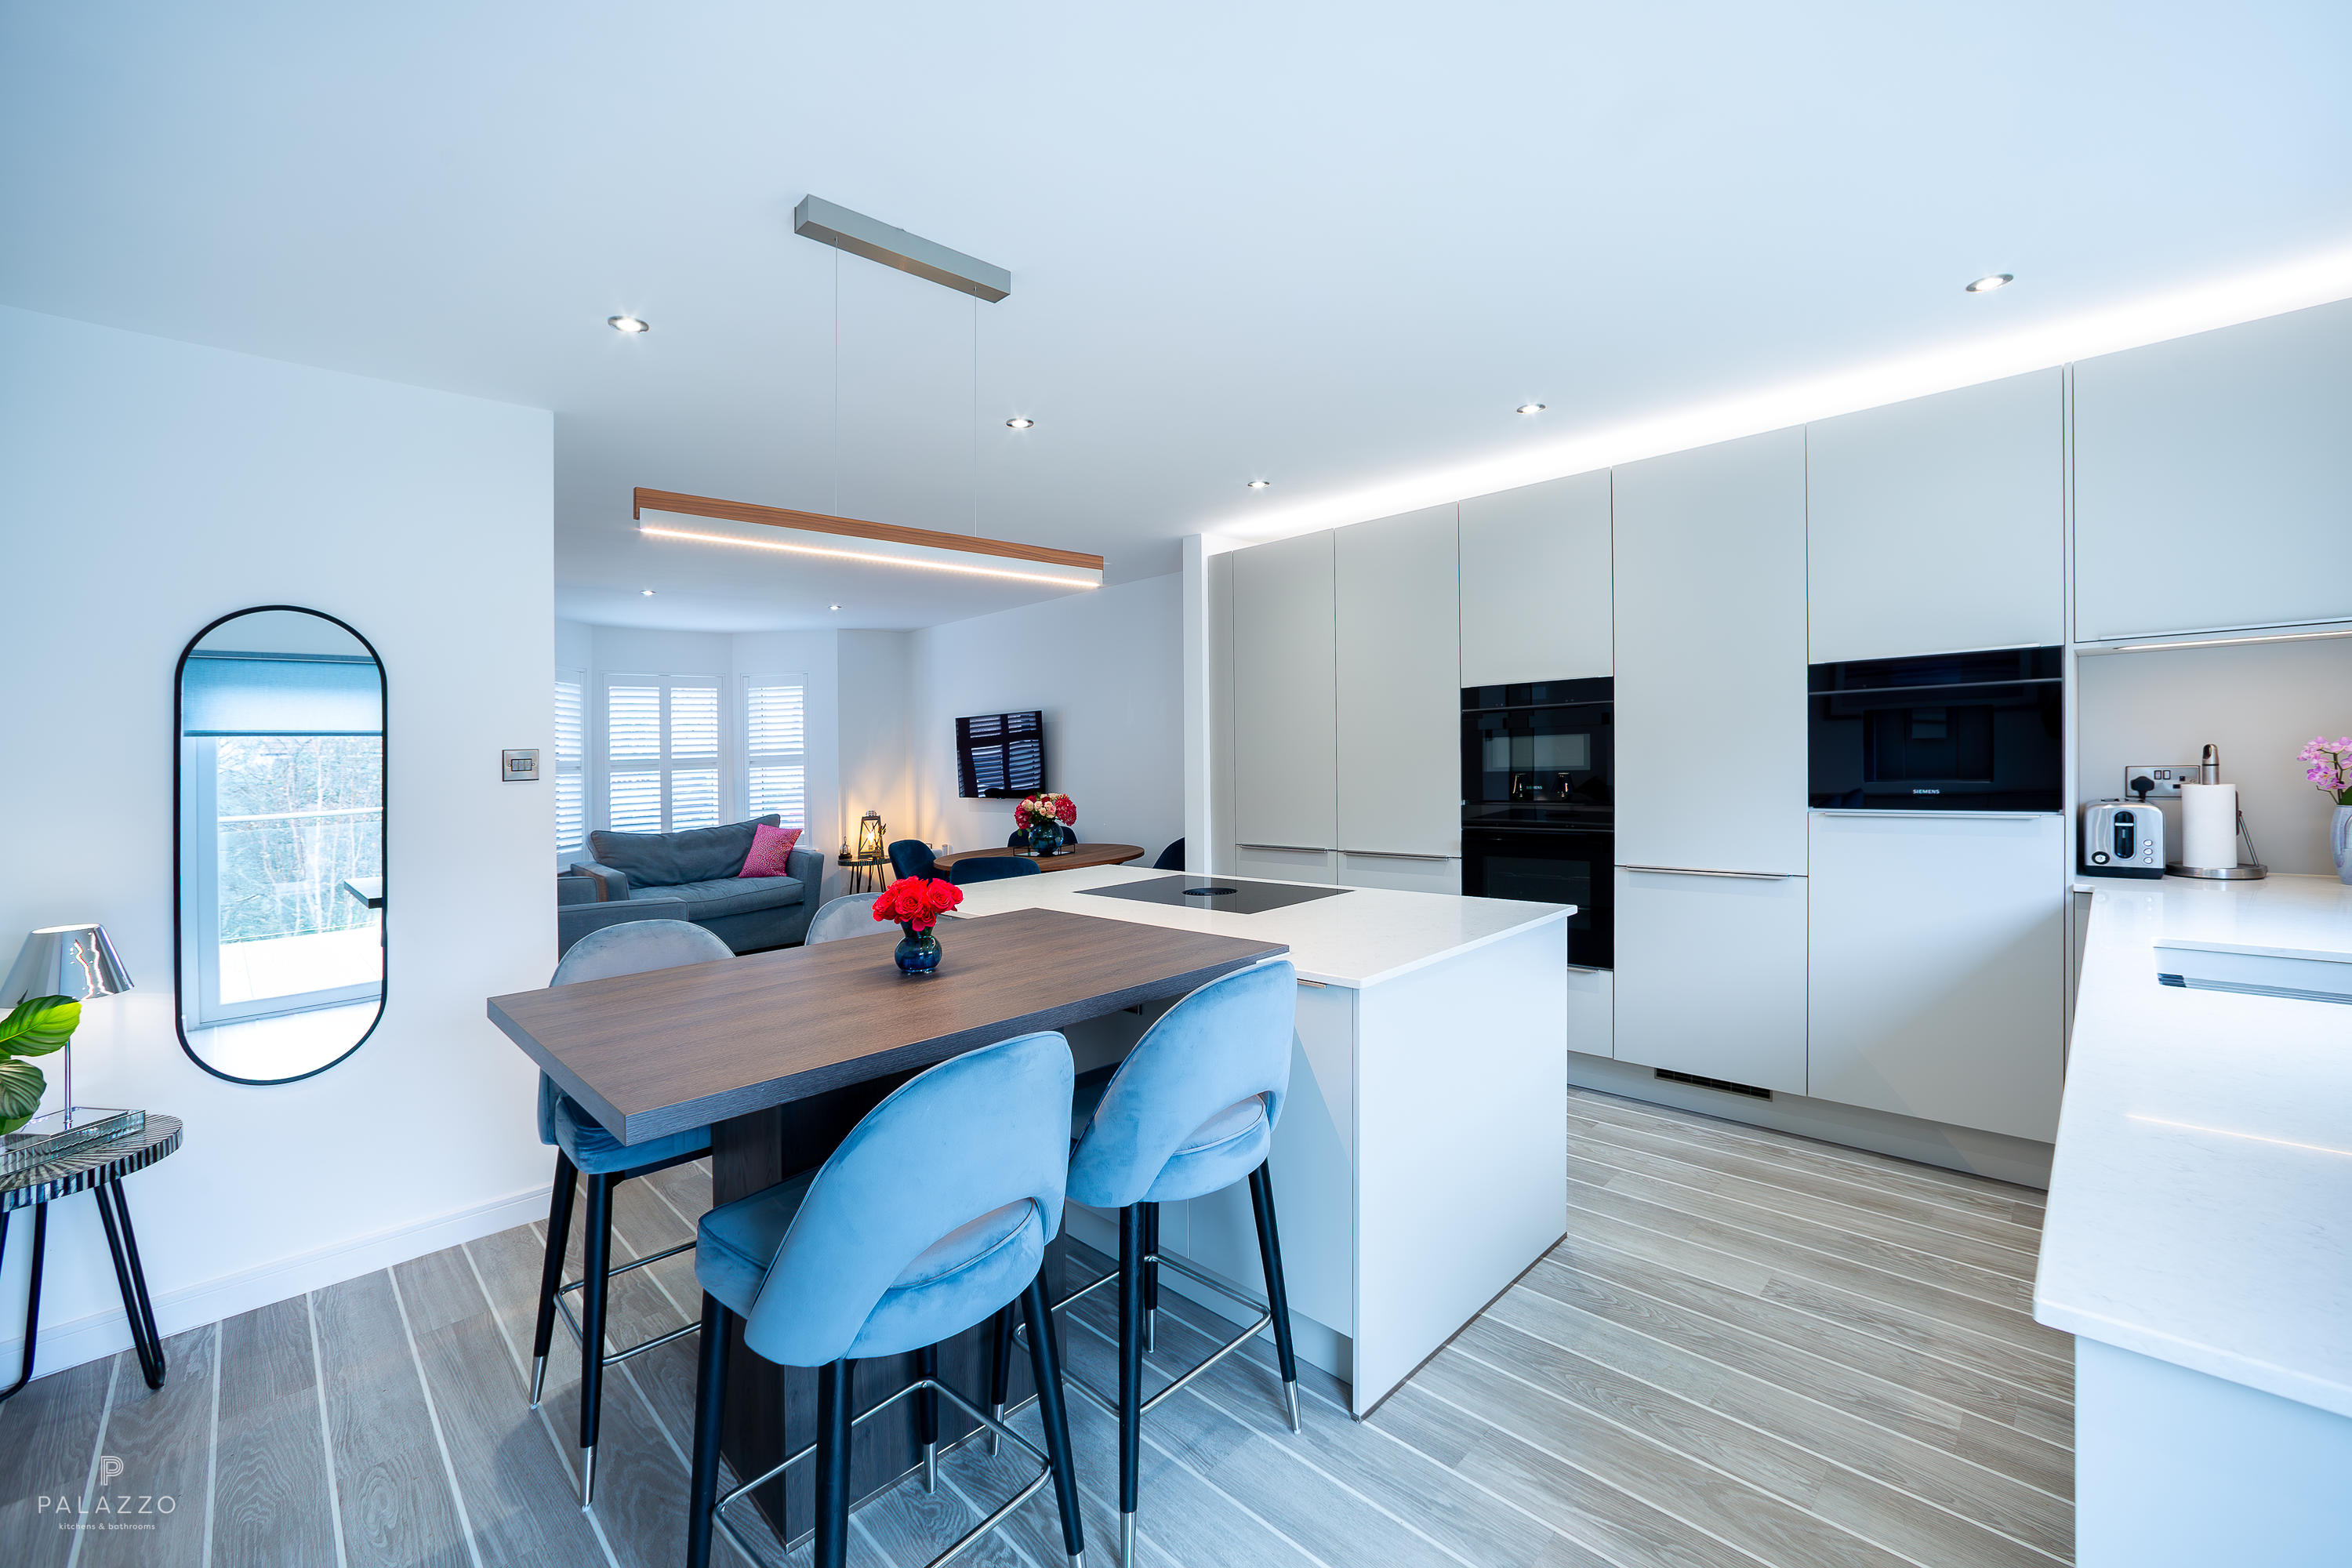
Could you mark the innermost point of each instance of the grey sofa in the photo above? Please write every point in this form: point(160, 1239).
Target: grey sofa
point(698, 867)
point(577, 912)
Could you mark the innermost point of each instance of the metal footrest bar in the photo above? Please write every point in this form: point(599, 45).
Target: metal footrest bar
point(990, 1425)
point(579, 1335)
point(1265, 1320)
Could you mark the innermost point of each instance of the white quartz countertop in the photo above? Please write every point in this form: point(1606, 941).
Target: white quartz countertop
point(1362, 937)
point(2200, 1202)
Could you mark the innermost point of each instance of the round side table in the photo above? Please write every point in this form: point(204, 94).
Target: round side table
point(98, 1169)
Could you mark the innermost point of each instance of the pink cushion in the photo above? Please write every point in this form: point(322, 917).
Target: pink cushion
point(771, 852)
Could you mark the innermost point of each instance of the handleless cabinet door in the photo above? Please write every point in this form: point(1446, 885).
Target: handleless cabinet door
point(1938, 968)
point(1400, 683)
point(2213, 480)
point(1284, 694)
point(1710, 976)
point(1535, 583)
point(1938, 524)
point(1710, 632)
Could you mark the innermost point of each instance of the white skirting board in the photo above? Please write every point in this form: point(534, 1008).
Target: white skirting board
point(99, 1334)
point(1993, 1154)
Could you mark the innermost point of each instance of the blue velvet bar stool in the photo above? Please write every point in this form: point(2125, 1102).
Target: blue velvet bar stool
point(850, 916)
point(932, 1215)
point(990, 869)
point(584, 1148)
point(1191, 1111)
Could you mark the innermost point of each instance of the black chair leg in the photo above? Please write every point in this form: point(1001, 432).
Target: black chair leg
point(596, 1250)
point(551, 1273)
point(833, 1389)
point(1269, 1252)
point(1130, 1375)
point(32, 1296)
point(709, 1416)
point(1000, 1368)
point(132, 1279)
point(927, 1415)
point(1150, 1278)
point(1045, 1363)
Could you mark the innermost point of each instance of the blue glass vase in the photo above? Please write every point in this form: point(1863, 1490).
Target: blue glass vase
point(918, 951)
point(1045, 838)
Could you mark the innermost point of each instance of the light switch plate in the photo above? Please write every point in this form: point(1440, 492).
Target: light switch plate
point(2167, 778)
point(520, 767)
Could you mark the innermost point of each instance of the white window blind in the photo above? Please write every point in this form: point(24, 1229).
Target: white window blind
point(571, 753)
point(776, 747)
point(661, 753)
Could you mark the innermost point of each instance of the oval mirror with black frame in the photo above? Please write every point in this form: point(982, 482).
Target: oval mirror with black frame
point(278, 863)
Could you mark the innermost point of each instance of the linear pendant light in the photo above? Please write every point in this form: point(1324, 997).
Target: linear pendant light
point(664, 514)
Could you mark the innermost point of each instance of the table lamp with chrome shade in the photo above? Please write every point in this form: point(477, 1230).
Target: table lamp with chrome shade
point(76, 960)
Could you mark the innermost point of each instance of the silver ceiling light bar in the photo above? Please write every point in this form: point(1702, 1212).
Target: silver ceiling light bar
point(877, 241)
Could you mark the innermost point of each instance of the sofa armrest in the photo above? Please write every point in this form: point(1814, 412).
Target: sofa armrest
point(808, 865)
point(611, 884)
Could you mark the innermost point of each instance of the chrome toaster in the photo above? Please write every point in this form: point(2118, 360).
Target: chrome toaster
point(2121, 838)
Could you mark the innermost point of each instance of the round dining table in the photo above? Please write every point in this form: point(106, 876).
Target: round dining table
point(1071, 859)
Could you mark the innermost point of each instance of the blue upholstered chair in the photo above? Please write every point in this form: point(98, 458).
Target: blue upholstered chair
point(1170, 858)
point(584, 1148)
point(1191, 1111)
point(852, 916)
point(912, 857)
point(990, 869)
point(932, 1215)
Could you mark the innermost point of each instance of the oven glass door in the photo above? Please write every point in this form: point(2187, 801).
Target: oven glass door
point(1549, 867)
point(1539, 766)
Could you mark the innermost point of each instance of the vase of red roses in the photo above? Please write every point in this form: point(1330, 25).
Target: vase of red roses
point(1044, 821)
point(916, 903)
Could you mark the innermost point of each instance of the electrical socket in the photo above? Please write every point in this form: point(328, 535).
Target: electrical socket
point(2167, 778)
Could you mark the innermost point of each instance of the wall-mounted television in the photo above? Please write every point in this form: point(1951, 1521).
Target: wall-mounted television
point(1000, 756)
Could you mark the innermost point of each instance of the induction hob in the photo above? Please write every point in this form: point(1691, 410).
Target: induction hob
point(1225, 897)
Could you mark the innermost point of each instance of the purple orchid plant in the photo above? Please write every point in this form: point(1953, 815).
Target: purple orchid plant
point(2331, 767)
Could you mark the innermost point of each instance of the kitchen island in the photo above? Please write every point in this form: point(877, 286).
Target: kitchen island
point(2198, 1241)
point(1421, 1162)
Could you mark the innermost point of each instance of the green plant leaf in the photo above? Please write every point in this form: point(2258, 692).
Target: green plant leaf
point(38, 1024)
point(21, 1084)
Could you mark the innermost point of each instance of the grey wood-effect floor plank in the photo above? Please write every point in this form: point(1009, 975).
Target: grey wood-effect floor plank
point(269, 1472)
point(909, 1527)
point(1418, 1493)
point(2001, 1335)
point(1896, 1407)
point(1839, 1473)
point(1995, 1245)
point(1934, 1183)
point(2006, 1292)
point(1035, 1529)
point(163, 1437)
point(390, 1481)
point(48, 1433)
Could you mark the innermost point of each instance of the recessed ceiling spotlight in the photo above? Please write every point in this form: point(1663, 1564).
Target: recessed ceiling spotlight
point(1019, 424)
point(648, 593)
point(832, 606)
point(1531, 408)
point(1997, 280)
point(628, 324)
point(1260, 484)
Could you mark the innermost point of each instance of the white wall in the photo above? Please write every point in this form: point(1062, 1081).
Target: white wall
point(1106, 669)
point(876, 752)
point(153, 486)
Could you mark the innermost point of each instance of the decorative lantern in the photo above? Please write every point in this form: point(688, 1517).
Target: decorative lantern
point(869, 835)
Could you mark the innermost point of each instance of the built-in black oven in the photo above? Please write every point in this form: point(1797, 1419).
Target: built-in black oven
point(1538, 803)
point(1956, 731)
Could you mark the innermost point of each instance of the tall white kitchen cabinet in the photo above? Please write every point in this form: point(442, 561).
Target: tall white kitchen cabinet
point(1286, 721)
point(1938, 971)
point(1938, 525)
point(1539, 558)
point(1399, 785)
point(1710, 715)
point(2213, 480)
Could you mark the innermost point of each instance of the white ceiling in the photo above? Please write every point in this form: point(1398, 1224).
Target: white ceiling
point(1331, 245)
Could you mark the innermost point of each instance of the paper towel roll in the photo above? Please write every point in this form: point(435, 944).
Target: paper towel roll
point(2209, 826)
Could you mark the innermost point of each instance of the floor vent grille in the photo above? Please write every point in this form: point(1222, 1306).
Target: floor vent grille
point(1749, 1089)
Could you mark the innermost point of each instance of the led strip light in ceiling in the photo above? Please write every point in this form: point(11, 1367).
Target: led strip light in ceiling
point(661, 514)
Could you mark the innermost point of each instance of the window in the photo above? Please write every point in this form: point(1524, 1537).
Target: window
point(661, 753)
point(571, 753)
point(775, 747)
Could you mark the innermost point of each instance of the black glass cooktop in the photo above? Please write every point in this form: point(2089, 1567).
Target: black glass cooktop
point(1234, 898)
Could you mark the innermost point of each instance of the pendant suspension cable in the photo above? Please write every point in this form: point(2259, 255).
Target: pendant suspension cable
point(836, 379)
point(975, 417)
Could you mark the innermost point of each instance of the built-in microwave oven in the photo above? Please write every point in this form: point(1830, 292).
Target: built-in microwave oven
point(1540, 755)
point(1956, 731)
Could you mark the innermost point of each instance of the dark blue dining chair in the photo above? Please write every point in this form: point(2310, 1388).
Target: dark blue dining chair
point(990, 869)
point(1170, 858)
point(912, 857)
point(1191, 1111)
point(932, 1215)
point(584, 1148)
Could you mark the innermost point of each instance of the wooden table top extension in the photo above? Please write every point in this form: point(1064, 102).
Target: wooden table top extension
point(1080, 855)
point(660, 1052)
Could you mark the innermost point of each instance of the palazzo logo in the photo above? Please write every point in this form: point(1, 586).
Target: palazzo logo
point(105, 1509)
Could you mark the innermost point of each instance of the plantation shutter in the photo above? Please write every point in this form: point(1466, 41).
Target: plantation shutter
point(570, 753)
point(776, 748)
